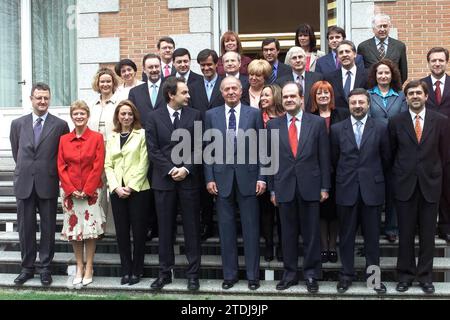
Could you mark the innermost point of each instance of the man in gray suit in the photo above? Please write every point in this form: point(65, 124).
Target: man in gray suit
point(381, 46)
point(34, 143)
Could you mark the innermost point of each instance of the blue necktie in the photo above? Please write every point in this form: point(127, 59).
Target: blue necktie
point(37, 131)
point(154, 95)
point(347, 84)
point(273, 76)
point(232, 120)
point(209, 87)
point(358, 134)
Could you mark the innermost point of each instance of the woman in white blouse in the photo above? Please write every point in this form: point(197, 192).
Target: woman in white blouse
point(126, 69)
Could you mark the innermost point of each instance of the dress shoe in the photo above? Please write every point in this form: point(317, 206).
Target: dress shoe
point(253, 284)
point(279, 253)
point(193, 284)
point(311, 285)
point(125, 279)
point(381, 289)
point(332, 256)
point(268, 252)
point(324, 256)
point(206, 232)
point(391, 237)
point(403, 286)
point(227, 284)
point(134, 279)
point(153, 233)
point(343, 285)
point(159, 283)
point(445, 236)
point(283, 284)
point(87, 281)
point(427, 287)
point(76, 281)
point(23, 277)
point(46, 278)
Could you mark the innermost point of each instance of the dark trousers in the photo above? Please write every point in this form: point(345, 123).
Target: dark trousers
point(207, 206)
point(166, 208)
point(26, 220)
point(305, 216)
point(151, 218)
point(444, 203)
point(268, 213)
point(249, 211)
point(131, 212)
point(391, 220)
point(370, 220)
point(416, 211)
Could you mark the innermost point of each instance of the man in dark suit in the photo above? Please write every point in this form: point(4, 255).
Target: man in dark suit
point(231, 64)
point(438, 83)
point(270, 50)
point(330, 62)
point(205, 94)
point(348, 77)
point(34, 144)
point(175, 183)
point(418, 144)
point(166, 47)
point(182, 64)
point(147, 97)
point(235, 180)
point(381, 46)
point(360, 152)
point(302, 181)
point(296, 58)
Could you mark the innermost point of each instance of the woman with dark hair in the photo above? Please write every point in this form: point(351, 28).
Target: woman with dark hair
point(230, 42)
point(322, 97)
point(386, 101)
point(271, 107)
point(305, 38)
point(126, 69)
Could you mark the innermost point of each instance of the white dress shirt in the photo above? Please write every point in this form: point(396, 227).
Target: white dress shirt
point(344, 76)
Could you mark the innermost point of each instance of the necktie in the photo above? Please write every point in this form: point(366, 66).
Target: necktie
point(338, 65)
point(293, 142)
point(358, 134)
point(232, 120)
point(153, 95)
point(418, 128)
point(347, 84)
point(438, 92)
point(166, 71)
point(176, 121)
point(209, 87)
point(37, 131)
point(381, 51)
point(273, 76)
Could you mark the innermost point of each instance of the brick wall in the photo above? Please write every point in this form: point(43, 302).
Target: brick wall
point(421, 25)
point(139, 24)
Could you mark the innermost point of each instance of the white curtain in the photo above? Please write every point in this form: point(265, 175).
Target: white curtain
point(10, 62)
point(54, 48)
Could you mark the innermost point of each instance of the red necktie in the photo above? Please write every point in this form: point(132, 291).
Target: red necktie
point(293, 142)
point(418, 128)
point(166, 71)
point(438, 92)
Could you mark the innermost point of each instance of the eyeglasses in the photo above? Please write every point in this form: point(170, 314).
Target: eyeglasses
point(40, 98)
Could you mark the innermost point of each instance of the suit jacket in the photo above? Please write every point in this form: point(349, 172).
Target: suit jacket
point(326, 64)
point(140, 96)
point(283, 70)
point(396, 51)
point(199, 98)
point(129, 163)
point(395, 105)
point(223, 174)
point(418, 162)
point(360, 170)
point(335, 79)
point(336, 115)
point(193, 77)
point(36, 165)
point(444, 107)
point(159, 132)
point(309, 171)
point(310, 79)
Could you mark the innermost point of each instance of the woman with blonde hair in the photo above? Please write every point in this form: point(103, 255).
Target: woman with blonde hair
point(258, 72)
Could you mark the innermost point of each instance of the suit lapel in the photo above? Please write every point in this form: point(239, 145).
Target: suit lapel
point(368, 131)
point(348, 128)
point(378, 103)
point(221, 120)
point(48, 125)
point(243, 118)
point(373, 48)
point(166, 119)
point(284, 135)
point(446, 93)
point(428, 126)
point(28, 128)
point(304, 132)
point(409, 127)
point(215, 92)
point(308, 82)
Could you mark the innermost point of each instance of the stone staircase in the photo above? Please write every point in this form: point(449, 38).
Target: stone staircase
point(107, 265)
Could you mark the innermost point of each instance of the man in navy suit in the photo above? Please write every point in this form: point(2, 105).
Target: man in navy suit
point(231, 65)
point(182, 64)
point(360, 153)
point(438, 83)
point(302, 181)
point(270, 48)
point(236, 181)
point(175, 184)
point(330, 62)
point(348, 77)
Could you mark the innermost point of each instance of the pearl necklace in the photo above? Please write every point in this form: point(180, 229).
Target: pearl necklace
point(124, 135)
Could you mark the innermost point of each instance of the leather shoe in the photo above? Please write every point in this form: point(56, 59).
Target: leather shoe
point(283, 284)
point(324, 256)
point(445, 236)
point(207, 232)
point(311, 285)
point(343, 285)
point(403, 286)
point(427, 287)
point(125, 279)
point(193, 284)
point(152, 233)
point(134, 279)
point(46, 278)
point(279, 253)
point(253, 284)
point(227, 284)
point(332, 256)
point(159, 283)
point(268, 252)
point(381, 290)
point(391, 237)
point(23, 277)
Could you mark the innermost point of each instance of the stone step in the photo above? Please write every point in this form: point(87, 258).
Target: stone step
point(213, 289)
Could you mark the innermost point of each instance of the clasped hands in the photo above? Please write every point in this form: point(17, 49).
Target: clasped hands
point(178, 174)
point(123, 192)
point(79, 194)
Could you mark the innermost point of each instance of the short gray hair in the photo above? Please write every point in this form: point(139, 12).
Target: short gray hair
point(291, 52)
point(238, 56)
point(380, 16)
